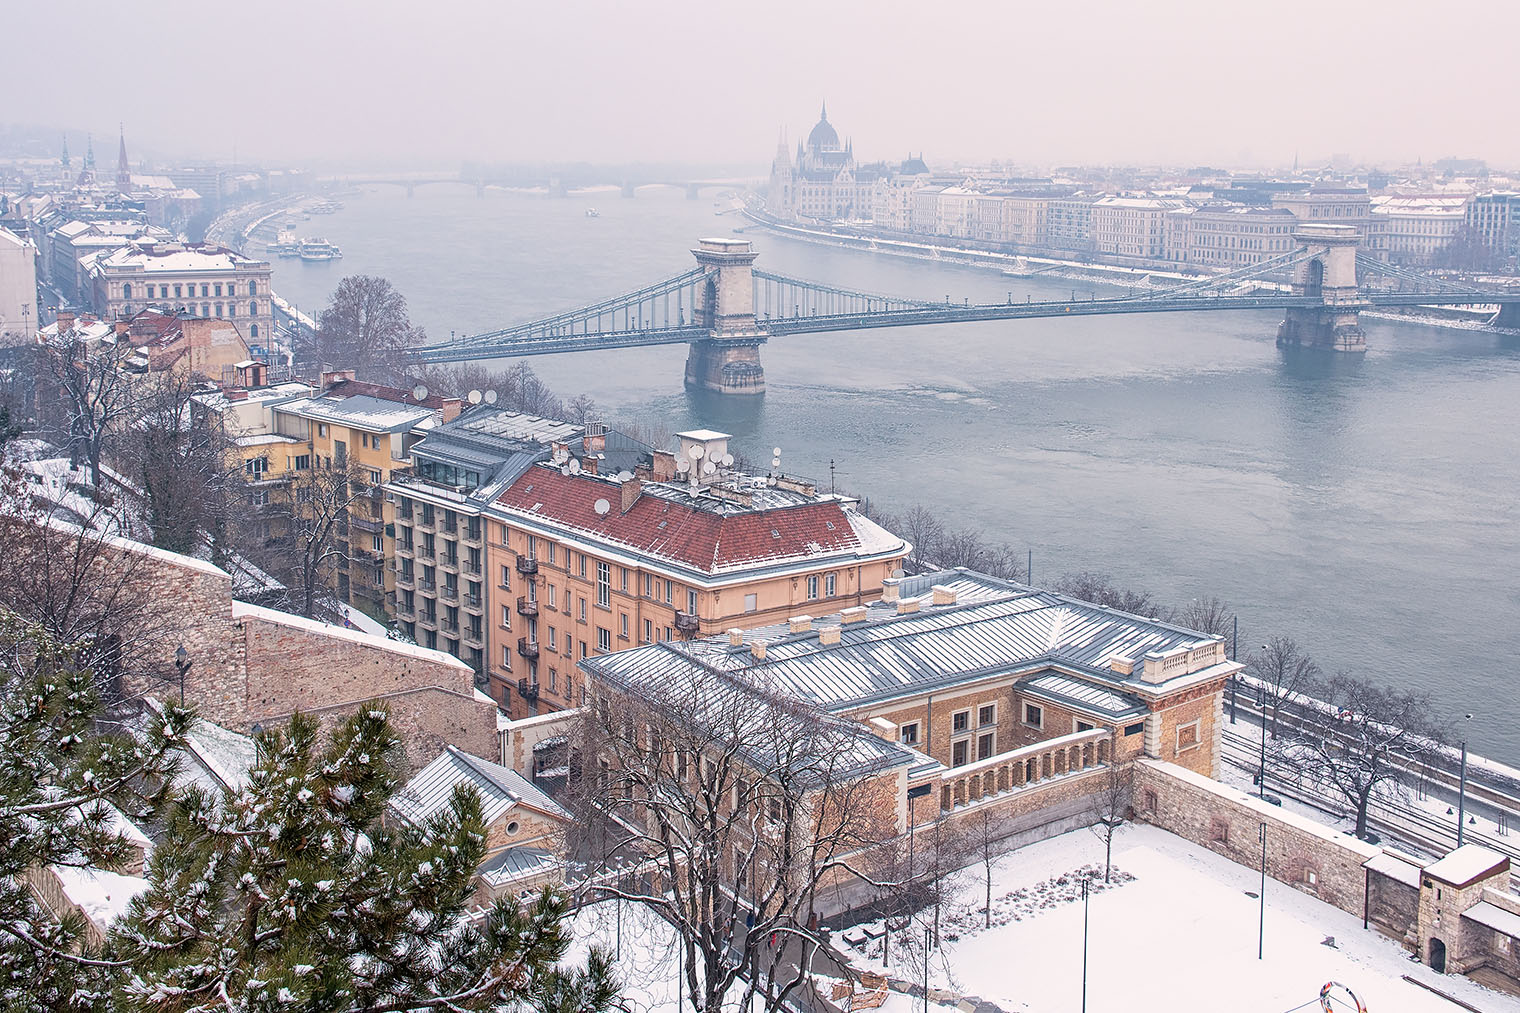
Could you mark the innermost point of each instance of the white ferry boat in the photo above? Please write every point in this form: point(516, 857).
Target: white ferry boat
point(327, 207)
point(286, 244)
point(319, 249)
point(593, 213)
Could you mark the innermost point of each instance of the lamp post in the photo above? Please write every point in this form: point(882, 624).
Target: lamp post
point(181, 665)
point(1261, 924)
point(1234, 650)
point(1085, 882)
point(1462, 784)
point(1261, 706)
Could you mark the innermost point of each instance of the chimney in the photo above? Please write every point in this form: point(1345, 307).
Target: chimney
point(1124, 666)
point(589, 464)
point(122, 328)
point(664, 467)
point(757, 650)
point(889, 590)
point(451, 408)
point(595, 437)
point(856, 614)
point(332, 376)
point(631, 491)
point(906, 605)
point(942, 595)
point(735, 637)
point(237, 394)
point(828, 635)
point(65, 321)
point(799, 624)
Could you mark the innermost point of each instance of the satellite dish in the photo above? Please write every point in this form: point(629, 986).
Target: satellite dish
point(625, 476)
point(419, 392)
point(490, 397)
point(775, 462)
point(708, 467)
point(695, 453)
point(776, 452)
point(574, 466)
point(728, 460)
point(475, 397)
point(601, 506)
point(682, 464)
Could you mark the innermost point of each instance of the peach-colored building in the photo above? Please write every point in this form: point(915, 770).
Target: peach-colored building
point(583, 563)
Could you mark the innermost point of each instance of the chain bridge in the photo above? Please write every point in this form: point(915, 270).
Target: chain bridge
point(724, 309)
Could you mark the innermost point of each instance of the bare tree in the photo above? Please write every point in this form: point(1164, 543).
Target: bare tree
point(1206, 615)
point(97, 397)
point(1111, 806)
point(366, 327)
point(739, 808)
point(1100, 589)
point(923, 530)
point(1283, 671)
point(1365, 743)
point(300, 538)
point(989, 825)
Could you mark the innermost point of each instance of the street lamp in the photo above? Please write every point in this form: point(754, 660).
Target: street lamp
point(1261, 706)
point(1462, 783)
point(181, 665)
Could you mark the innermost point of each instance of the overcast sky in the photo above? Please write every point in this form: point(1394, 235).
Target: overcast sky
point(433, 83)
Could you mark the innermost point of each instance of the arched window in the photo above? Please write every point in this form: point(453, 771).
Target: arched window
point(126, 290)
point(253, 308)
point(253, 332)
point(253, 289)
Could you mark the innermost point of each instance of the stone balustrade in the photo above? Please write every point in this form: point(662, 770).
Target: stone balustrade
point(1019, 768)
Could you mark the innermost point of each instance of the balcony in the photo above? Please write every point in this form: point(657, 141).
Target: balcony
point(405, 549)
point(424, 553)
point(449, 560)
point(449, 626)
point(448, 528)
point(473, 532)
point(404, 579)
point(427, 585)
point(526, 607)
point(527, 648)
point(375, 524)
point(405, 611)
point(527, 565)
point(425, 520)
point(472, 601)
point(527, 690)
point(449, 592)
point(474, 637)
point(687, 622)
point(428, 619)
point(471, 566)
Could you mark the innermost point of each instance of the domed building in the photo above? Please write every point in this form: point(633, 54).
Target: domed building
point(822, 181)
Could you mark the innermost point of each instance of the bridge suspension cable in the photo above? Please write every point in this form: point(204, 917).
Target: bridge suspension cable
point(1421, 282)
point(780, 297)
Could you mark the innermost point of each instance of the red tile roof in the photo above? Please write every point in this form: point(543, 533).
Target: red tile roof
point(702, 539)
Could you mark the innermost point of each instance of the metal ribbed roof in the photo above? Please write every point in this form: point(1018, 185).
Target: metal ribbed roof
point(1012, 628)
point(429, 790)
point(1084, 696)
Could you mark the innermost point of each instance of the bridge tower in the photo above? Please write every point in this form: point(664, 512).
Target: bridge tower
point(727, 362)
point(1330, 276)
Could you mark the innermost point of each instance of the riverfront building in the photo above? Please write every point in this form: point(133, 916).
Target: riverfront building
point(199, 279)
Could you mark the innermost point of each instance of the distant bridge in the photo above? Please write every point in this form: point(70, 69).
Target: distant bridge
point(725, 309)
point(556, 187)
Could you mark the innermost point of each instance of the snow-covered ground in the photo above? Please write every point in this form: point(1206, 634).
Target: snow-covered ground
point(649, 962)
point(1181, 935)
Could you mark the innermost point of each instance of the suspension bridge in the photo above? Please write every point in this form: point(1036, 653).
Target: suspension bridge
point(724, 309)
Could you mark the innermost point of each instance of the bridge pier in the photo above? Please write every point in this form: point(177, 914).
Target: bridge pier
point(727, 362)
point(1508, 316)
point(1329, 275)
point(693, 191)
point(629, 191)
point(411, 190)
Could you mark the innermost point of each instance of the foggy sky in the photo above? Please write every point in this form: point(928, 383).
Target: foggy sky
point(432, 84)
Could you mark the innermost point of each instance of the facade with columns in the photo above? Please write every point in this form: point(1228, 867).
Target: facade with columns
point(198, 279)
point(823, 182)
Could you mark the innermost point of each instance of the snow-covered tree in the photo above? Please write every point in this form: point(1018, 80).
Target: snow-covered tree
point(295, 893)
point(62, 783)
point(1283, 671)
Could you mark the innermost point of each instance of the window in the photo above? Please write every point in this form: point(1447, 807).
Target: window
point(670, 594)
point(374, 476)
point(648, 586)
point(623, 625)
point(960, 721)
point(553, 678)
point(551, 640)
point(551, 595)
point(812, 586)
point(583, 650)
point(256, 467)
point(216, 290)
point(322, 431)
point(986, 714)
point(1187, 736)
point(126, 291)
point(506, 617)
point(205, 290)
point(177, 292)
point(1034, 716)
point(582, 568)
point(648, 632)
point(302, 462)
point(750, 603)
point(830, 584)
point(603, 583)
point(603, 639)
point(623, 579)
point(549, 553)
point(1219, 831)
point(506, 656)
point(908, 734)
point(986, 745)
point(1134, 729)
point(582, 603)
point(506, 577)
point(1150, 801)
point(691, 601)
point(959, 754)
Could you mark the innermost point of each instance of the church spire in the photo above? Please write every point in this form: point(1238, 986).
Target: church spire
point(123, 170)
point(89, 151)
point(823, 114)
point(65, 157)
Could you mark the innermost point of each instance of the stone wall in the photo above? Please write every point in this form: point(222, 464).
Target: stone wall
point(1305, 855)
point(1394, 907)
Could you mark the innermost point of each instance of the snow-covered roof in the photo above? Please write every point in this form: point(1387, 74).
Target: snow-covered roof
point(500, 789)
point(224, 755)
point(1467, 864)
point(1394, 868)
point(514, 864)
point(102, 895)
point(1494, 917)
point(364, 411)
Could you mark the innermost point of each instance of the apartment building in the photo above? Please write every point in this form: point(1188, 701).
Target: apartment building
point(1329, 206)
point(1131, 226)
point(1229, 236)
point(1495, 219)
point(198, 279)
point(443, 599)
point(584, 560)
point(1413, 230)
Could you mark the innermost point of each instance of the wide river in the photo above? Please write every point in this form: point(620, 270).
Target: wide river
point(1363, 505)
